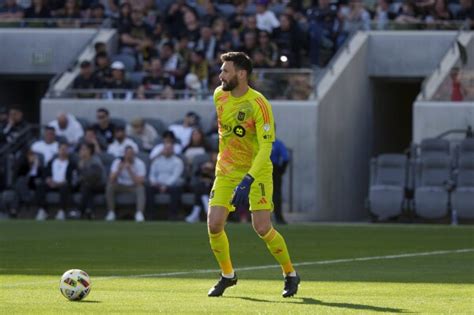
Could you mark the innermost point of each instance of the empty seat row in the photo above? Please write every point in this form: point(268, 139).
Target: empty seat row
point(431, 184)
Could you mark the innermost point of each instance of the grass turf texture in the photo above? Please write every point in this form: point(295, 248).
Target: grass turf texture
point(34, 255)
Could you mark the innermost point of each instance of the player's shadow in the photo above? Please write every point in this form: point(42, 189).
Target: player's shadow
point(311, 301)
point(88, 301)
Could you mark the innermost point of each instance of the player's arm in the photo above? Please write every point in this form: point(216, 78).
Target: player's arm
point(265, 130)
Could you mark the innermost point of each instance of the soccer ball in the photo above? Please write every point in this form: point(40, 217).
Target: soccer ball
point(75, 284)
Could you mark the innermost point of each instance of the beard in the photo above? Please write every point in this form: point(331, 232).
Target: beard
point(230, 85)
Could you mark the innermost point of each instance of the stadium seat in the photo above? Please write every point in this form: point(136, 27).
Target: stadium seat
point(136, 77)
point(433, 174)
point(387, 185)
point(434, 147)
point(117, 121)
point(129, 61)
point(144, 156)
point(158, 124)
point(213, 141)
point(462, 197)
point(466, 148)
point(84, 122)
point(138, 141)
point(107, 159)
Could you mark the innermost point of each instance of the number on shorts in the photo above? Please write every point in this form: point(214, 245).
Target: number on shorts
point(262, 189)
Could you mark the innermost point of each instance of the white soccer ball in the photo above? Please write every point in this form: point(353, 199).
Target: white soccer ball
point(75, 284)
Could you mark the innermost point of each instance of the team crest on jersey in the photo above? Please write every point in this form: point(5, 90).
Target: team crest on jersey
point(266, 127)
point(239, 131)
point(241, 116)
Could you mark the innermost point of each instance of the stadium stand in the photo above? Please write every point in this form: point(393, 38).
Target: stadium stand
point(170, 50)
point(388, 181)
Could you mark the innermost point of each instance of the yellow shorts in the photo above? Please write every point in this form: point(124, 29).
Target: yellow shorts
point(261, 193)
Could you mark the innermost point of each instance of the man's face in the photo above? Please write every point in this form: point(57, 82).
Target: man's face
point(86, 71)
point(137, 17)
point(117, 74)
point(190, 120)
point(15, 116)
point(156, 65)
point(63, 150)
point(129, 155)
point(102, 118)
point(165, 52)
point(168, 149)
point(206, 33)
point(84, 152)
point(119, 134)
point(49, 136)
point(62, 121)
point(228, 76)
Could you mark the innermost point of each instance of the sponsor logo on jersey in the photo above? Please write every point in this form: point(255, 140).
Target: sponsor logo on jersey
point(267, 137)
point(239, 131)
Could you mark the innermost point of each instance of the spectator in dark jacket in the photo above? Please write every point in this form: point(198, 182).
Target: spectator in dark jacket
point(28, 175)
point(38, 10)
point(104, 127)
point(61, 175)
point(86, 80)
point(92, 178)
point(12, 129)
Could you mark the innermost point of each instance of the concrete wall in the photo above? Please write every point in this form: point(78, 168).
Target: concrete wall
point(343, 137)
point(407, 54)
point(40, 51)
point(296, 122)
point(433, 118)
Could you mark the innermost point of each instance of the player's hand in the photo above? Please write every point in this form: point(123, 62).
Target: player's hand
point(241, 192)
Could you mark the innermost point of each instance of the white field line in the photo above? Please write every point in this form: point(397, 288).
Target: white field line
point(308, 263)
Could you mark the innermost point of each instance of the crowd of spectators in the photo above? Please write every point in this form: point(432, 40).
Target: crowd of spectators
point(80, 159)
point(111, 157)
point(166, 47)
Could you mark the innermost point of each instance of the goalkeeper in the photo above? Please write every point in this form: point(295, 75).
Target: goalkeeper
point(244, 170)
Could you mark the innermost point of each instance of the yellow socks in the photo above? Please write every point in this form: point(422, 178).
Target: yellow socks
point(277, 246)
point(220, 247)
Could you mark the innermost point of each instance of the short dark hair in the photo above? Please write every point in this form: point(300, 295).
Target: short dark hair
point(89, 147)
point(103, 110)
point(168, 134)
point(241, 60)
point(49, 128)
point(85, 64)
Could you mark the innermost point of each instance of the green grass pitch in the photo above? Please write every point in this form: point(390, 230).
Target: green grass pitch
point(168, 268)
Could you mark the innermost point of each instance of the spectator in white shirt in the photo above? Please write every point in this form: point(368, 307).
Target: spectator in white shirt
point(167, 137)
point(67, 126)
point(127, 175)
point(117, 148)
point(183, 131)
point(61, 174)
point(266, 19)
point(47, 147)
point(145, 132)
point(165, 177)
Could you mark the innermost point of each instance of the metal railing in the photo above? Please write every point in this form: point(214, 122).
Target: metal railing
point(292, 84)
point(55, 23)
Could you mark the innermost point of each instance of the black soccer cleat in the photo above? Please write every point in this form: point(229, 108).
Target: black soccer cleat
point(223, 284)
point(291, 286)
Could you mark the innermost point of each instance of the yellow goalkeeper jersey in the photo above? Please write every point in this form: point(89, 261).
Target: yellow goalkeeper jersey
point(246, 127)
